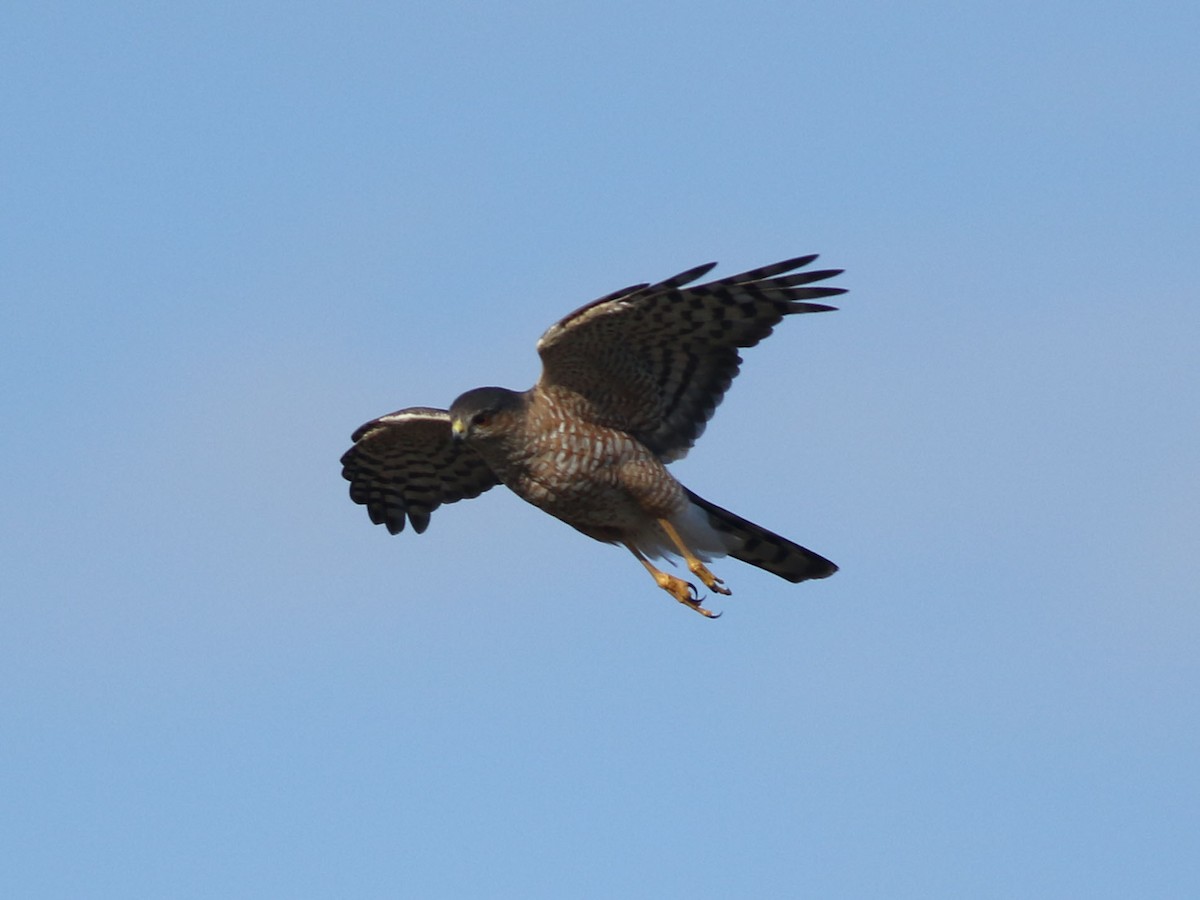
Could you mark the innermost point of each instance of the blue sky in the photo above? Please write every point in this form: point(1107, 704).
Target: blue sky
point(233, 233)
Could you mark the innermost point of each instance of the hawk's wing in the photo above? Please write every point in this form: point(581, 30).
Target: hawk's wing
point(406, 464)
point(655, 360)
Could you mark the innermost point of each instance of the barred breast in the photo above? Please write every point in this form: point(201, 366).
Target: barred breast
point(597, 479)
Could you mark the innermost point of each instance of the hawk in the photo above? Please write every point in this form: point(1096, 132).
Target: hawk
point(628, 384)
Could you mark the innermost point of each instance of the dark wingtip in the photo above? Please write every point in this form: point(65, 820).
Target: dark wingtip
point(798, 262)
point(677, 281)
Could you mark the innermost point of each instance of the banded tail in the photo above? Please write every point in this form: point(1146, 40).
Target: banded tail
point(768, 551)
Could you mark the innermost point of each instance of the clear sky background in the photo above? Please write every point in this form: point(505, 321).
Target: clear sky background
point(234, 232)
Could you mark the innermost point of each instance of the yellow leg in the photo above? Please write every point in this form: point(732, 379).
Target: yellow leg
point(681, 590)
point(697, 568)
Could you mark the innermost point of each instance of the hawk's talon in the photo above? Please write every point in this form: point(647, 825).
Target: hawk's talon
point(711, 581)
point(683, 591)
point(694, 564)
point(694, 600)
point(695, 604)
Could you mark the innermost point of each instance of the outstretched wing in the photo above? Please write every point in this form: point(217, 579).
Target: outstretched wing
point(407, 464)
point(655, 360)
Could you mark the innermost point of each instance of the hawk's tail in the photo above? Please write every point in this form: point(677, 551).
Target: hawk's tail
point(755, 545)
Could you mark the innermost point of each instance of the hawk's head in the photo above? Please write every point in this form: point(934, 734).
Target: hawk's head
point(485, 412)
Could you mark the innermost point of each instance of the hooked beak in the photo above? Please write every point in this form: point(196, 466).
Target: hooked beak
point(458, 430)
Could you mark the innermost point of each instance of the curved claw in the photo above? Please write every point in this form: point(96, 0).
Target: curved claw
point(694, 602)
point(683, 591)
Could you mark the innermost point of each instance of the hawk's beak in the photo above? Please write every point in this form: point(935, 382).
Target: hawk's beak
point(458, 430)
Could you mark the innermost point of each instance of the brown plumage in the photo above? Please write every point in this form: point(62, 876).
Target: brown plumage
point(628, 384)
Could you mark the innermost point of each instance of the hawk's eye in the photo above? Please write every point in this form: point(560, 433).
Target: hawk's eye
point(481, 418)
